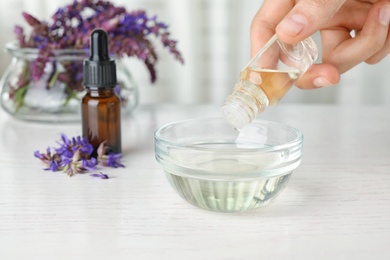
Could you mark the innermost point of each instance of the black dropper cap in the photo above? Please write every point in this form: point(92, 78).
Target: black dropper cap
point(99, 70)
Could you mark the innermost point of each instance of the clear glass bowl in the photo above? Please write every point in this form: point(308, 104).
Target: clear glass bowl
point(215, 167)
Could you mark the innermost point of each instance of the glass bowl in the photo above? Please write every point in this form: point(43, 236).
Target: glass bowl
point(215, 167)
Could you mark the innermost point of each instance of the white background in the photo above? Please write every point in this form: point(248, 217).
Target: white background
point(213, 36)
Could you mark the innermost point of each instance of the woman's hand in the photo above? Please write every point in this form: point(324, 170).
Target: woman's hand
point(352, 32)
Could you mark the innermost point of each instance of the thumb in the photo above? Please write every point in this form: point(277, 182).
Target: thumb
point(307, 17)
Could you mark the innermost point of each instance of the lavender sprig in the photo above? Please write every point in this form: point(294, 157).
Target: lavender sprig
point(74, 155)
point(130, 33)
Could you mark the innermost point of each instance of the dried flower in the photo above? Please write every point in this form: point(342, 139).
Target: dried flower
point(74, 155)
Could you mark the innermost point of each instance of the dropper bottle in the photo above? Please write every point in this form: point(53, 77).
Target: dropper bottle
point(100, 109)
point(267, 78)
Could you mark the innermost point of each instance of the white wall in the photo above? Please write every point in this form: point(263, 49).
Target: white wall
point(214, 38)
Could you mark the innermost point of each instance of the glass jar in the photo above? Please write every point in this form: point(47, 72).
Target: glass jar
point(56, 96)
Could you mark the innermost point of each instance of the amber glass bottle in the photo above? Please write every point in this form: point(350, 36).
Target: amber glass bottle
point(101, 118)
point(100, 109)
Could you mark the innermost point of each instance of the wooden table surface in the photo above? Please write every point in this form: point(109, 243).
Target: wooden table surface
point(336, 206)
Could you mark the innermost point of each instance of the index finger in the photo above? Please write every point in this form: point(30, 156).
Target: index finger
point(307, 17)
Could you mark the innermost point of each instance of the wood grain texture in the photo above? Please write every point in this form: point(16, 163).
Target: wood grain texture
point(336, 206)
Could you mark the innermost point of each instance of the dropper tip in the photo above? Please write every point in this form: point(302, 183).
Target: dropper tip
point(99, 45)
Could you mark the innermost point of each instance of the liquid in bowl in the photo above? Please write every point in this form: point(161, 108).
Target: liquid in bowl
point(213, 169)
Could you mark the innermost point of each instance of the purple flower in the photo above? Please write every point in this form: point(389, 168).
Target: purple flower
point(19, 31)
point(99, 175)
point(76, 164)
point(52, 161)
point(74, 155)
point(89, 164)
point(130, 33)
point(110, 160)
point(118, 90)
point(69, 146)
point(31, 20)
point(38, 65)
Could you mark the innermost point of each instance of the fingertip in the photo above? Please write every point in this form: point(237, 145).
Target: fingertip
point(321, 81)
point(384, 15)
point(305, 18)
point(291, 26)
point(319, 75)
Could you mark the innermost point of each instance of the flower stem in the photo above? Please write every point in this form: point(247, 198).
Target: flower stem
point(71, 94)
point(19, 97)
point(53, 79)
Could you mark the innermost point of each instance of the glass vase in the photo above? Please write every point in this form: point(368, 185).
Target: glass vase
point(56, 96)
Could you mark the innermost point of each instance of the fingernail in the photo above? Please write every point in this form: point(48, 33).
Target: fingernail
point(321, 82)
point(384, 15)
point(292, 25)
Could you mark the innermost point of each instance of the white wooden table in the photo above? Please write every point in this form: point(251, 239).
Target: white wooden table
point(336, 206)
